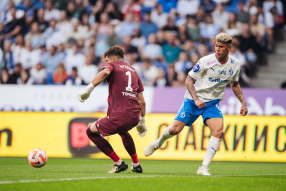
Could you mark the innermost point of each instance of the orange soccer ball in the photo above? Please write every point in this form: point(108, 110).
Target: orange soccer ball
point(37, 158)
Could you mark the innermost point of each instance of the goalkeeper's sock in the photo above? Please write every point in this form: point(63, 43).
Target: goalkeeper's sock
point(166, 135)
point(103, 145)
point(211, 150)
point(129, 145)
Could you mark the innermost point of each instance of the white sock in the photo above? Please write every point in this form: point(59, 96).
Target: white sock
point(211, 150)
point(135, 164)
point(118, 162)
point(164, 136)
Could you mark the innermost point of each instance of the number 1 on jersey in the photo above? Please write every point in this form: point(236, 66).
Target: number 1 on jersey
point(128, 88)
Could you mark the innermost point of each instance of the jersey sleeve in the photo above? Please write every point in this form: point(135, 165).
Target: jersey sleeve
point(236, 75)
point(197, 70)
point(109, 66)
point(141, 87)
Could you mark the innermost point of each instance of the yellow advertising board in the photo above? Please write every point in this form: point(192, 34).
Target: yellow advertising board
point(250, 138)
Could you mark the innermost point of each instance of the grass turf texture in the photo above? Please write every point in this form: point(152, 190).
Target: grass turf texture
point(157, 175)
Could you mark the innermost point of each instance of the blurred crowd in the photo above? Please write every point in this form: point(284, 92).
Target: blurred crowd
point(62, 41)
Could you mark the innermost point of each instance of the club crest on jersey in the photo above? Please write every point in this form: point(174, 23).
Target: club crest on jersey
point(196, 68)
point(230, 71)
point(232, 61)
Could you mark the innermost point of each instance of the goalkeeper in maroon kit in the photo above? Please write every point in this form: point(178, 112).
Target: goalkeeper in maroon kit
point(126, 108)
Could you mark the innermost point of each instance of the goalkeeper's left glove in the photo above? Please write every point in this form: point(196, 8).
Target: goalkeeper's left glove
point(84, 95)
point(141, 127)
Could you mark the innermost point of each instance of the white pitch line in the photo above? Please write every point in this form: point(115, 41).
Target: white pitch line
point(119, 177)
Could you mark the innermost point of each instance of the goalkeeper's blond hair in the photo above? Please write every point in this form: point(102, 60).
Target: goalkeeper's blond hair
point(224, 38)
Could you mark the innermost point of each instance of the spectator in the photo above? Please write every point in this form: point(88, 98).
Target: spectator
point(74, 59)
point(147, 26)
point(150, 73)
point(104, 25)
point(183, 65)
point(97, 10)
point(130, 58)
point(39, 74)
point(242, 16)
point(158, 17)
point(30, 11)
point(80, 9)
point(161, 80)
point(49, 32)
point(14, 27)
point(203, 50)
point(256, 28)
point(18, 47)
point(233, 27)
point(161, 40)
point(170, 50)
point(200, 15)
point(168, 5)
point(113, 12)
point(220, 16)
point(60, 75)
point(4, 76)
point(193, 28)
point(74, 79)
point(29, 56)
point(127, 27)
point(88, 71)
point(91, 52)
point(189, 47)
point(111, 38)
point(50, 12)
point(185, 7)
point(34, 36)
point(7, 15)
point(60, 4)
point(208, 5)
point(248, 44)
point(24, 78)
point(152, 50)
point(51, 60)
point(76, 33)
point(195, 58)
point(7, 56)
point(131, 7)
point(64, 25)
point(40, 19)
point(209, 29)
point(16, 74)
point(128, 47)
point(181, 80)
point(183, 33)
point(172, 75)
point(138, 40)
point(170, 27)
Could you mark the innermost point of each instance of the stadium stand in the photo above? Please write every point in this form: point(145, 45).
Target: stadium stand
point(61, 41)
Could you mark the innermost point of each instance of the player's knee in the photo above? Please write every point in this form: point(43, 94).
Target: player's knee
point(218, 133)
point(175, 130)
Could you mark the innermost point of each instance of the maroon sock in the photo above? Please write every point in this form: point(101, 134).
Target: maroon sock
point(129, 145)
point(102, 144)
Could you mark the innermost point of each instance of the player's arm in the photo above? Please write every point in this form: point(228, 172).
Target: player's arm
point(95, 82)
point(238, 93)
point(141, 127)
point(189, 83)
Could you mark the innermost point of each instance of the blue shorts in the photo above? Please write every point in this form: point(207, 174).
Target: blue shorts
point(189, 111)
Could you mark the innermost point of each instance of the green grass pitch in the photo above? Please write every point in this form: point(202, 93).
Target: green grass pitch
point(91, 174)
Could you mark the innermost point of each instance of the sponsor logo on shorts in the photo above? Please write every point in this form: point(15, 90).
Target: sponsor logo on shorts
point(218, 107)
point(230, 71)
point(196, 68)
point(217, 80)
point(182, 115)
point(128, 94)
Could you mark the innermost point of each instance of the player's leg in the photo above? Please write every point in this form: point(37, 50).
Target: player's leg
point(214, 120)
point(103, 145)
point(130, 148)
point(186, 115)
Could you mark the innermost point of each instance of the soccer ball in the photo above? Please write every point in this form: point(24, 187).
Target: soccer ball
point(37, 158)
